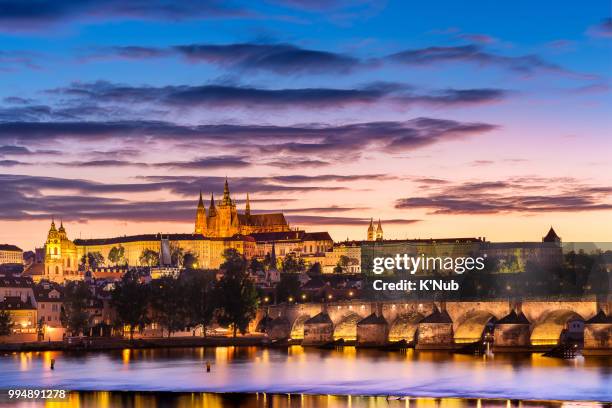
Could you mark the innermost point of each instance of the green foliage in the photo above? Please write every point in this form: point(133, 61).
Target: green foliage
point(6, 323)
point(235, 292)
point(289, 286)
point(74, 314)
point(291, 264)
point(200, 306)
point(96, 259)
point(169, 303)
point(130, 298)
point(149, 258)
point(315, 269)
point(117, 255)
point(190, 260)
point(177, 257)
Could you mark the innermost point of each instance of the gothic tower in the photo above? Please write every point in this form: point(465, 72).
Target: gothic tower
point(379, 231)
point(200, 221)
point(247, 208)
point(371, 230)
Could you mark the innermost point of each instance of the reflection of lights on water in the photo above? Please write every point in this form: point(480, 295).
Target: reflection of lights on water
point(125, 356)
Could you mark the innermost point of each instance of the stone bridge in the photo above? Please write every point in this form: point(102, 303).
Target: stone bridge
point(463, 321)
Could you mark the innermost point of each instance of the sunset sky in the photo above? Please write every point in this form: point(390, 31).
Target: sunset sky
point(443, 119)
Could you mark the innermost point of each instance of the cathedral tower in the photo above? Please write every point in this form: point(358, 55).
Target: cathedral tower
point(379, 232)
point(200, 221)
point(247, 208)
point(371, 230)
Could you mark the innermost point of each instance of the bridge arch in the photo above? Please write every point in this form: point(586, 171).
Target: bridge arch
point(297, 329)
point(404, 327)
point(346, 328)
point(472, 326)
point(549, 328)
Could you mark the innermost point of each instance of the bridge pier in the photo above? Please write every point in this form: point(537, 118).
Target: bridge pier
point(512, 332)
point(318, 330)
point(598, 334)
point(372, 331)
point(435, 332)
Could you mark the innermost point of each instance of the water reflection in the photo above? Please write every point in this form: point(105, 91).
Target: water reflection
point(297, 371)
point(263, 400)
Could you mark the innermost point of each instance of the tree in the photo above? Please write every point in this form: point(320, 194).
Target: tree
point(315, 269)
point(343, 262)
point(291, 264)
point(148, 257)
point(6, 322)
point(235, 292)
point(168, 303)
point(177, 257)
point(289, 286)
point(96, 259)
point(74, 314)
point(200, 308)
point(116, 254)
point(130, 299)
point(256, 265)
point(190, 260)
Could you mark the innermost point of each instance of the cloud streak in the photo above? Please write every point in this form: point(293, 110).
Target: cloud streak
point(520, 195)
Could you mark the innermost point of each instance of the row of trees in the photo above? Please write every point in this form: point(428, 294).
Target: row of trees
point(148, 257)
point(195, 299)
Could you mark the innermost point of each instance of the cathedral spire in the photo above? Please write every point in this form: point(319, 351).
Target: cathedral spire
point(371, 230)
point(247, 210)
point(379, 231)
point(211, 210)
point(200, 220)
point(52, 223)
point(226, 194)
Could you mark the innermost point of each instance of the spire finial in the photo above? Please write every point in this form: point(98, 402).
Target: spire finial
point(226, 193)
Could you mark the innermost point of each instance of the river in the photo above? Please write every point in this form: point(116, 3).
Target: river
point(314, 377)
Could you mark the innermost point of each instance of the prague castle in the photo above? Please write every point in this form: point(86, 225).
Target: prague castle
point(221, 227)
point(223, 220)
point(217, 228)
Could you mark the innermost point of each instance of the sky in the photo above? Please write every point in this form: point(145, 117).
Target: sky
point(441, 118)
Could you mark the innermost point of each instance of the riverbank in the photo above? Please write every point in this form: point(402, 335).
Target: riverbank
point(109, 344)
point(104, 344)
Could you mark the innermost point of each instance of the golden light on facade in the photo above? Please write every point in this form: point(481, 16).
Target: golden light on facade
point(329, 296)
point(266, 299)
point(290, 299)
point(304, 296)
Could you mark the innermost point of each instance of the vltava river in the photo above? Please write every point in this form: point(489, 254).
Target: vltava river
point(301, 372)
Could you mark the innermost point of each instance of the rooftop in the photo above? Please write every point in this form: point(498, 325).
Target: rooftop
point(9, 247)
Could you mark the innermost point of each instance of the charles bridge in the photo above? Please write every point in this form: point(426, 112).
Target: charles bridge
point(514, 324)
